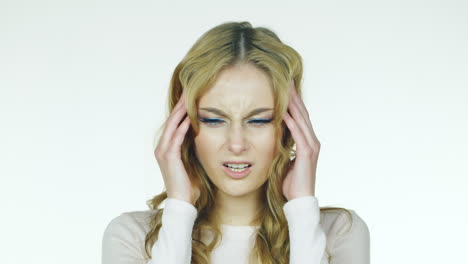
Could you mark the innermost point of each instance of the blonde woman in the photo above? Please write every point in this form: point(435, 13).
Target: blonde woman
point(236, 190)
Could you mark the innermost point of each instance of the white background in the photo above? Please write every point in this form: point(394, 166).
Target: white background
point(84, 86)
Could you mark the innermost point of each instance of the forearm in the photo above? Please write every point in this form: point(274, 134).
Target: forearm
point(307, 238)
point(174, 243)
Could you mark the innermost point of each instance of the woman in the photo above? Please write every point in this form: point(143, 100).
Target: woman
point(236, 190)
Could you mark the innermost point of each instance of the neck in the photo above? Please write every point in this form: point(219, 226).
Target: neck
point(238, 210)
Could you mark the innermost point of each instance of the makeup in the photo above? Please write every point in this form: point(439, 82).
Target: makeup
point(237, 174)
point(217, 121)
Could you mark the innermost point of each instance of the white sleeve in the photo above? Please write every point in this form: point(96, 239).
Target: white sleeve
point(174, 243)
point(120, 244)
point(306, 236)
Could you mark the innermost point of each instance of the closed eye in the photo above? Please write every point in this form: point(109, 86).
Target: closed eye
point(260, 121)
point(217, 121)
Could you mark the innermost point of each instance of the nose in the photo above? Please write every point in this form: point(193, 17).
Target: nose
point(236, 141)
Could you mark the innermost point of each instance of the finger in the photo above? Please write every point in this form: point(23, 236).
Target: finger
point(300, 103)
point(176, 108)
point(301, 142)
point(179, 104)
point(179, 135)
point(171, 125)
point(301, 122)
point(299, 106)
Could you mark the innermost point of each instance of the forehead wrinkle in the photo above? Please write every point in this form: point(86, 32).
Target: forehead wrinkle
point(235, 101)
point(220, 112)
point(237, 94)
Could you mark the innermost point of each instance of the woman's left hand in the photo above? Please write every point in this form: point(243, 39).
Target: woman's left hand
point(300, 179)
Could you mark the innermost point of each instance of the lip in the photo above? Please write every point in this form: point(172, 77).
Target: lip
point(237, 175)
point(236, 162)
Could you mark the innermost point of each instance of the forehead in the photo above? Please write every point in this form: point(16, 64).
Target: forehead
point(239, 87)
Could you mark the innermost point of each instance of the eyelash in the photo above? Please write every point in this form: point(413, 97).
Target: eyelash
point(215, 121)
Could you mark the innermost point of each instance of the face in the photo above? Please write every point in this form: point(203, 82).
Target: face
point(239, 134)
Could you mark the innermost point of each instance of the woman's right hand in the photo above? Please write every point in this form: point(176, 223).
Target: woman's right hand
point(168, 155)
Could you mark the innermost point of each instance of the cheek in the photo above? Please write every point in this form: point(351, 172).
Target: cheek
point(265, 141)
point(200, 145)
point(205, 145)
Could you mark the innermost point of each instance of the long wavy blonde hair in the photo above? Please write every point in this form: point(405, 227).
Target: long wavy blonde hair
point(228, 44)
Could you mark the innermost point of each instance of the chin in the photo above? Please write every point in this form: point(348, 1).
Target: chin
point(236, 188)
point(235, 193)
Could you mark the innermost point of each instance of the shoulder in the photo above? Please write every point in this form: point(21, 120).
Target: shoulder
point(341, 220)
point(346, 231)
point(129, 225)
point(124, 237)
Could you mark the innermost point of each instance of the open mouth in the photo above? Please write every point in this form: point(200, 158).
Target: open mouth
point(237, 173)
point(237, 169)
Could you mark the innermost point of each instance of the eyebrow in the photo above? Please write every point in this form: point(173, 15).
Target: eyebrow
point(221, 113)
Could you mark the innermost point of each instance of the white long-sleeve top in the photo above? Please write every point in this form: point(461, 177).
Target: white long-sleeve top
point(329, 237)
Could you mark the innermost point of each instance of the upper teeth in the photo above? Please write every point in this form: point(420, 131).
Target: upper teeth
point(238, 166)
